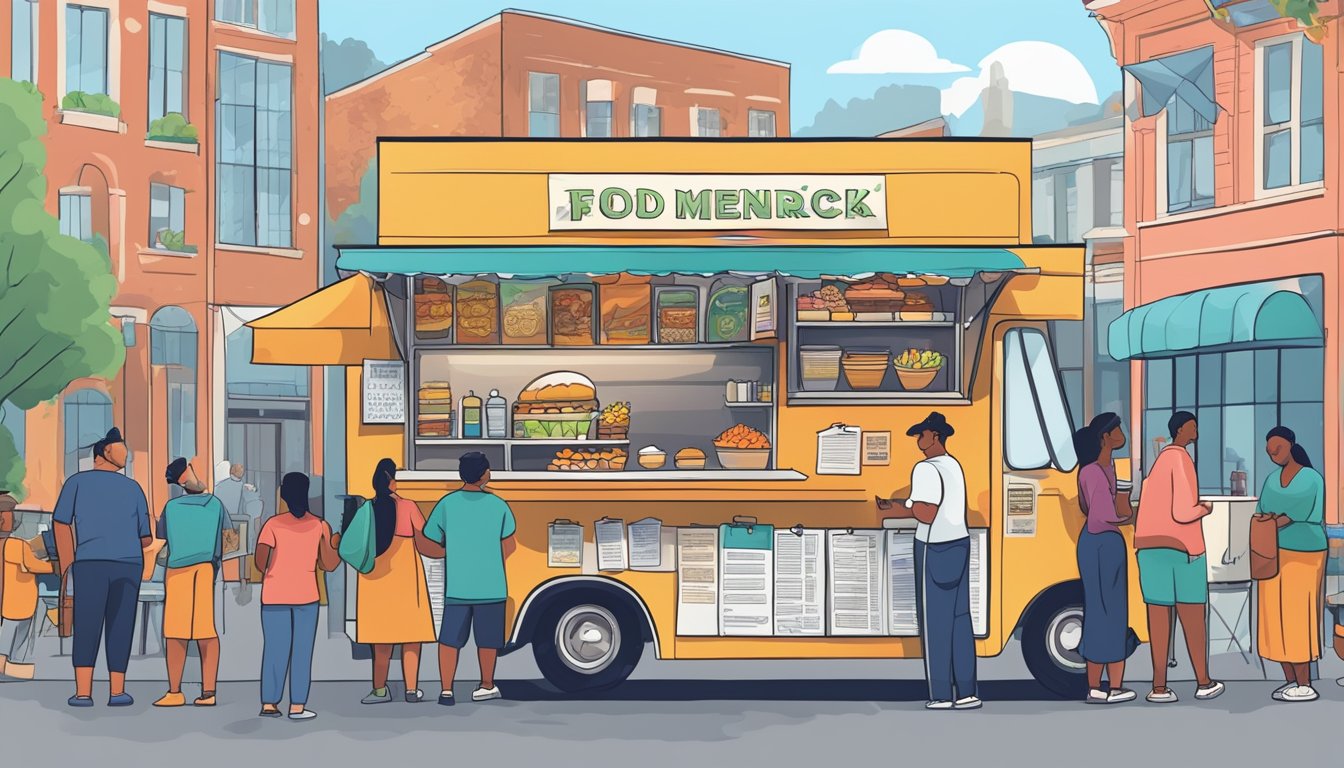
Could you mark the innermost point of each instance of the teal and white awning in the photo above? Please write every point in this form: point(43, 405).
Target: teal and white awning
point(1251, 316)
point(796, 261)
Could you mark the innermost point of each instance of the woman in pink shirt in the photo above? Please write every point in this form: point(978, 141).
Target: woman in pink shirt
point(291, 548)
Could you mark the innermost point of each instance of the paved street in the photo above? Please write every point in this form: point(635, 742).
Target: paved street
point(679, 723)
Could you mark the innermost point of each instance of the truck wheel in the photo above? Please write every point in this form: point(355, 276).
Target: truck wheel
point(587, 642)
point(1051, 634)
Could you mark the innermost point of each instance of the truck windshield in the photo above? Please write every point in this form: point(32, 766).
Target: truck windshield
point(1037, 433)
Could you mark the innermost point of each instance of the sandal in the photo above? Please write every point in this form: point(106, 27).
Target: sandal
point(206, 699)
point(271, 711)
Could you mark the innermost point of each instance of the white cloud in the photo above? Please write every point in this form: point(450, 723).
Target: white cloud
point(895, 51)
point(1041, 69)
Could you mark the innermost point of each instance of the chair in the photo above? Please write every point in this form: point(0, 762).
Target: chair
point(152, 595)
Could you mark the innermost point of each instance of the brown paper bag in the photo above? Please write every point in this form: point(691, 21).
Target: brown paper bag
point(1264, 548)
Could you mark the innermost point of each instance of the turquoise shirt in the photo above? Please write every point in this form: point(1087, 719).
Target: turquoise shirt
point(470, 526)
point(1303, 501)
point(193, 526)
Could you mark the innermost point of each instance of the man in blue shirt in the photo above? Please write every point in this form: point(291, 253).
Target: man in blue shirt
point(473, 530)
point(102, 529)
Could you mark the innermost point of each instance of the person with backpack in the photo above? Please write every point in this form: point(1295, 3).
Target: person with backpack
point(392, 602)
point(1103, 560)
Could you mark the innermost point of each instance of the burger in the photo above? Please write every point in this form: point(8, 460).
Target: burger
point(690, 458)
point(560, 404)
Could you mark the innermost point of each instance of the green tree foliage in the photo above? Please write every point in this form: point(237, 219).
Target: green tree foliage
point(54, 290)
point(1303, 11)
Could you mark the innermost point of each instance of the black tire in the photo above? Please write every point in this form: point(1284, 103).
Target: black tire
point(616, 620)
point(1055, 612)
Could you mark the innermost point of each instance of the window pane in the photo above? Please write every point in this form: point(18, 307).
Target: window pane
point(707, 121)
point(543, 92)
point(1178, 175)
point(1068, 338)
point(1278, 80)
point(1071, 208)
point(1313, 74)
point(1266, 376)
point(237, 217)
point(1157, 392)
point(72, 48)
point(1202, 157)
point(1239, 384)
point(1105, 313)
point(93, 54)
point(177, 209)
point(1305, 419)
point(158, 74)
point(159, 211)
point(1154, 434)
point(1210, 380)
point(277, 17)
point(1208, 451)
point(1050, 398)
point(22, 40)
point(1303, 375)
point(543, 125)
point(1266, 418)
point(1241, 444)
point(1117, 194)
point(1278, 159)
point(1313, 152)
point(1185, 382)
point(273, 208)
point(1042, 209)
point(1023, 442)
point(599, 119)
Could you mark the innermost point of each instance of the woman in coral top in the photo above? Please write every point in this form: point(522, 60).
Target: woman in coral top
point(393, 600)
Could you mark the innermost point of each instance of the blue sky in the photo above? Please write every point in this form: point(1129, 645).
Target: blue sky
point(814, 36)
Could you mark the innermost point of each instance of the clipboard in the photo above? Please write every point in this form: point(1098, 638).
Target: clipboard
point(562, 551)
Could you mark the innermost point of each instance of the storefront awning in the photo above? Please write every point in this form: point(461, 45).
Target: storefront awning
point(1188, 75)
point(1252, 316)
point(806, 262)
point(342, 324)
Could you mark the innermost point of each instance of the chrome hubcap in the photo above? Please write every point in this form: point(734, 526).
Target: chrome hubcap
point(1063, 638)
point(588, 638)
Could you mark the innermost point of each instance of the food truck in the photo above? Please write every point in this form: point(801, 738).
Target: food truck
point(692, 364)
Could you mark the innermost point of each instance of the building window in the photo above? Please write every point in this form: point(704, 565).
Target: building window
point(1043, 209)
point(598, 119)
point(543, 104)
point(255, 152)
point(23, 40)
point(1189, 158)
point(707, 122)
point(275, 17)
point(172, 344)
point(85, 49)
point(167, 217)
point(1237, 397)
point(1290, 131)
point(647, 121)
point(14, 420)
point(1070, 201)
point(761, 123)
point(1116, 180)
point(167, 66)
point(87, 416)
point(76, 216)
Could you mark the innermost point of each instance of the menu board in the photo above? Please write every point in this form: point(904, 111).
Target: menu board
point(384, 392)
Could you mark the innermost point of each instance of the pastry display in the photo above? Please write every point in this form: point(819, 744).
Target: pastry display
point(678, 315)
point(690, 458)
point(570, 460)
point(560, 404)
point(614, 422)
point(572, 315)
point(917, 368)
point(876, 294)
point(434, 409)
point(741, 447)
point(652, 457)
point(478, 312)
point(524, 318)
point(627, 310)
point(433, 308)
point(824, 304)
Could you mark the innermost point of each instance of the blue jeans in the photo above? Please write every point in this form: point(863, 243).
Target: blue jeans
point(944, 604)
point(288, 634)
point(106, 595)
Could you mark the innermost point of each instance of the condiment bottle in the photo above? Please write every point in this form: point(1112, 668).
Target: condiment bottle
point(730, 393)
point(471, 416)
point(496, 416)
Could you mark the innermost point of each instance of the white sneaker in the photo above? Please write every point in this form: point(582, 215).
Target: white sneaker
point(968, 702)
point(1120, 696)
point(1301, 693)
point(1097, 696)
point(940, 704)
point(485, 694)
point(1165, 697)
point(1211, 691)
point(1277, 695)
point(1339, 681)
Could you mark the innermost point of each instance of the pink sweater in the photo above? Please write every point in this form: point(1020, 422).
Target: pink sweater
point(1169, 510)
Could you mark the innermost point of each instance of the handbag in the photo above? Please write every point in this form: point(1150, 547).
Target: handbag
point(65, 608)
point(1264, 548)
point(358, 547)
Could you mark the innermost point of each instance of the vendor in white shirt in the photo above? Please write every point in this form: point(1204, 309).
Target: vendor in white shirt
point(942, 560)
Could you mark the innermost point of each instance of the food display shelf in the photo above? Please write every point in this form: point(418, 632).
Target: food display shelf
point(731, 404)
point(849, 324)
point(513, 441)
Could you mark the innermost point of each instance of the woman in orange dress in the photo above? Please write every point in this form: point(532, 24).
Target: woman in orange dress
point(392, 604)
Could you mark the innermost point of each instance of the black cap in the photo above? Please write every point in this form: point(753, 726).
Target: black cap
point(175, 469)
point(935, 422)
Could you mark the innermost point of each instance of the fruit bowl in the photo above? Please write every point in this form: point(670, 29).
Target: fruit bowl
point(743, 458)
point(914, 379)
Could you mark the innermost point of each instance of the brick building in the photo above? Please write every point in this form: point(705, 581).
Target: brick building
point(524, 74)
point(203, 233)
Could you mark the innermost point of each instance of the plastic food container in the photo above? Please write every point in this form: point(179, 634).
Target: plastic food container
point(819, 367)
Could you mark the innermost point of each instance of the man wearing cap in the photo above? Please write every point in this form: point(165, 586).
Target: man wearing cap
point(102, 529)
point(942, 564)
point(193, 527)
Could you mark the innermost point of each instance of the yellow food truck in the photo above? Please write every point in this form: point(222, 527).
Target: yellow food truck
point(692, 363)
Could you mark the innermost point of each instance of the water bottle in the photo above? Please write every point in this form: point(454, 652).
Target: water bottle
point(471, 416)
point(496, 416)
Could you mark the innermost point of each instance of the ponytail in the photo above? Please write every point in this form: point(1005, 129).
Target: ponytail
point(384, 506)
point(1300, 456)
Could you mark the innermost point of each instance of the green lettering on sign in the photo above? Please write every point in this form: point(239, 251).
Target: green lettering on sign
point(725, 204)
point(610, 195)
point(855, 208)
point(580, 203)
point(756, 203)
point(825, 196)
point(693, 206)
point(648, 204)
point(789, 205)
